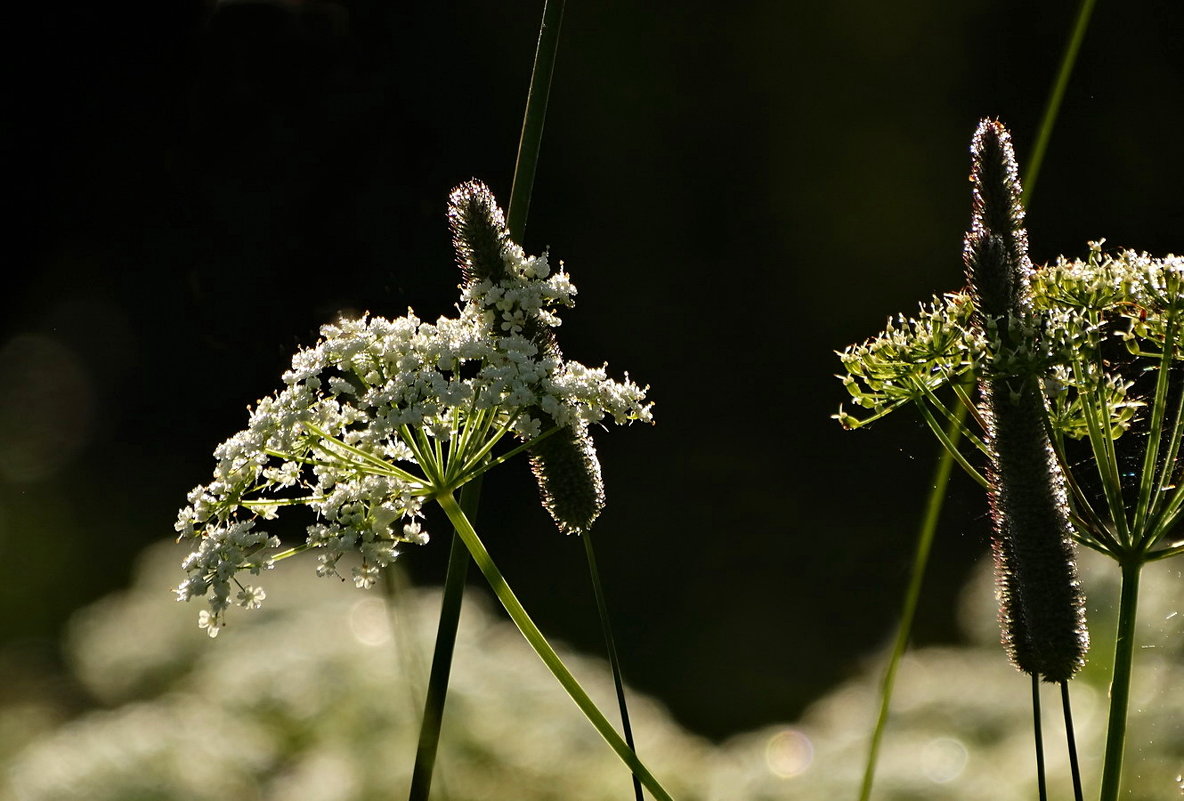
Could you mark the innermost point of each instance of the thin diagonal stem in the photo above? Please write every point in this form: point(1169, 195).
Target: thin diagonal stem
point(433, 708)
point(949, 440)
point(524, 171)
point(532, 120)
point(1071, 742)
point(1037, 732)
point(1053, 106)
point(546, 653)
point(520, 192)
point(941, 478)
point(611, 647)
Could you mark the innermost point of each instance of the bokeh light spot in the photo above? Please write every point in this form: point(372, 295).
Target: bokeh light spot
point(789, 753)
point(369, 622)
point(943, 759)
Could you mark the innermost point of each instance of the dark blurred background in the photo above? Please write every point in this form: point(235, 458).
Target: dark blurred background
point(738, 190)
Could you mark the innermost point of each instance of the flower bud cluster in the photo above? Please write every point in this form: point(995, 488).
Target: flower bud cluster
point(912, 357)
point(1077, 308)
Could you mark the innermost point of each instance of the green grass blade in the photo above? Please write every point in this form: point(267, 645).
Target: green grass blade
point(942, 473)
point(546, 653)
point(520, 192)
point(912, 595)
point(532, 120)
point(611, 647)
point(433, 708)
point(1052, 107)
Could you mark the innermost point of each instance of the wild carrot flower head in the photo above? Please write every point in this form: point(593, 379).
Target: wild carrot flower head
point(381, 415)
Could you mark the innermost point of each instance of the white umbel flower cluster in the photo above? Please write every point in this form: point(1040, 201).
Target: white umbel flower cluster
point(379, 417)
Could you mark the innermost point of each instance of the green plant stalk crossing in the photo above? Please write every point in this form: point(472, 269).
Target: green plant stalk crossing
point(529, 145)
point(531, 139)
point(942, 474)
point(538, 642)
point(1053, 107)
point(912, 596)
point(1120, 682)
point(520, 191)
point(611, 646)
point(433, 708)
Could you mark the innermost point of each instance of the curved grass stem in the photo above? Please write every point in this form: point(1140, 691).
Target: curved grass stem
point(546, 653)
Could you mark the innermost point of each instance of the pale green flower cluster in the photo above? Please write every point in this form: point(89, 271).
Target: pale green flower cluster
point(380, 416)
point(1083, 313)
point(911, 358)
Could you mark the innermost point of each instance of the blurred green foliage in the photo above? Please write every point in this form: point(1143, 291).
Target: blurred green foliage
point(316, 697)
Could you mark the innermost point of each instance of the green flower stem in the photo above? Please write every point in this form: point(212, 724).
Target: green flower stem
point(1036, 732)
point(433, 708)
point(1053, 107)
point(942, 473)
point(912, 595)
point(524, 170)
point(1174, 549)
point(538, 642)
point(611, 646)
point(1149, 497)
point(532, 120)
point(1089, 526)
point(1071, 742)
point(949, 440)
point(949, 415)
point(960, 389)
point(520, 192)
point(1120, 682)
point(1105, 459)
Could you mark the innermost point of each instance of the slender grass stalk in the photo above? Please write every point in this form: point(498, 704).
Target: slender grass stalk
point(524, 170)
point(937, 495)
point(532, 120)
point(908, 613)
point(1120, 683)
point(1037, 733)
point(1053, 107)
point(611, 646)
point(538, 642)
point(433, 708)
point(1074, 767)
point(529, 143)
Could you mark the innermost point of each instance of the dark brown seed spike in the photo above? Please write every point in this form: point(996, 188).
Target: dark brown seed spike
point(1041, 605)
point(478, 232)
